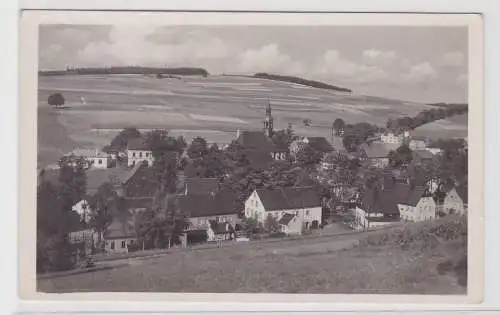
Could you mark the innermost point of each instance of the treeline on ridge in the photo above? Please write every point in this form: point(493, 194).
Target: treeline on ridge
point(301, 81)
point(125, 70)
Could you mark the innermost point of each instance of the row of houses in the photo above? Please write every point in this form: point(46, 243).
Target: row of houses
point(391, 202)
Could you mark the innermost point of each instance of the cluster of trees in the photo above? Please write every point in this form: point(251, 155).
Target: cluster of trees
point(301, 81)
point(55, 217)
point(426, 116)
point(356, 134)
point(119, 142)
point(125, 70)
point(401, 156)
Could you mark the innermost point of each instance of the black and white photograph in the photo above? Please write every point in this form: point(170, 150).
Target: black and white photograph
point(265, 158)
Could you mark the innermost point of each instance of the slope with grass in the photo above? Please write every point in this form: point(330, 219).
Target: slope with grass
point(425, 258)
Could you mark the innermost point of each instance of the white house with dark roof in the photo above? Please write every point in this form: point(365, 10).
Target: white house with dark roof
point(138, 151)
point(94, 157)
point(301, 202)
point(452, 200)
point(392, 202)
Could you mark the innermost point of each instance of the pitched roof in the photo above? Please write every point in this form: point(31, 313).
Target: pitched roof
point(201, 186)
point(258, 159)
point(423, 154)
point(255, 140)
point(386, 201)
point(289, 198)
point(141, 183)
point(375, 150)
point(222, 203)
point(320, 144)
point(286, 218)
point(97, 177)
point(89, 153)
point(138, 144)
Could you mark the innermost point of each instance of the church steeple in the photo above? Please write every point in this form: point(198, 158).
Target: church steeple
point(268, 121)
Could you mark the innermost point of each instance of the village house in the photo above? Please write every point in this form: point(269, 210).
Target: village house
point(319, 144)
point(301, 202)
point(139, 151)
point(392, 202)
point(422, 156)
point(121, 234)
point(451, 200)
point(205, 212)
point(94, 157)
point(418, 143)
point(394, 139)
point(290, 224)
point(374, 154)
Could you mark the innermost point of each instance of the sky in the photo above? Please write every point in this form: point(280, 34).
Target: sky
point(422, 64)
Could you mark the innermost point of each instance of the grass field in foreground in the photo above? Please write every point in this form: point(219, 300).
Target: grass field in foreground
point(396, 261)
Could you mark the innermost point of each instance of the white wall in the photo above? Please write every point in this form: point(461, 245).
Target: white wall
point(137, 156)
point(255, 209)
point(453, 202)
point(118, 245)
point(424, 210)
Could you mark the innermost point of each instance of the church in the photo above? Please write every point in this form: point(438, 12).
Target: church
point(258, 146)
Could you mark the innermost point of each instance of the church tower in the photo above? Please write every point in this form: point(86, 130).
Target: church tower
point(268, 121)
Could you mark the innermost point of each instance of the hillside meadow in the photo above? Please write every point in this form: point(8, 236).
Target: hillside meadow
point(422, 258)
point(99, 106)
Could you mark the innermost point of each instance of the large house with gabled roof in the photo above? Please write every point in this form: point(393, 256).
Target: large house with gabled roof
point(391, 202)
point(139, 151)
point(303, 203)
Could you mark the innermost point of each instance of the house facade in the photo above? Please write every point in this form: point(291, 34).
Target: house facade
point(301, 202)
point(424, 209)
point(452, 202)
point(375, 154)
point(394, 139)
point(138, 151)
point(290, 224)
point(418, 143)
point(208, 212)
point(94, 158)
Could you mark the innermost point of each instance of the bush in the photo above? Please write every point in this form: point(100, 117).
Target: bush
point(55, 254)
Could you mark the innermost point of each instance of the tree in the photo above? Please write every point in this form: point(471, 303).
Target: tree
point(251, 226)
point(72, 180)
point(338, 125)
point(100, 206)
point(308, 156)
point(56, 100)
point(119, 143)
point(271, 224)
point(161, 143)
point(165, 168)
point(198, 148)
point(402, 156)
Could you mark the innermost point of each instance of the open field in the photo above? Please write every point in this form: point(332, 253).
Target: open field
point(217, 103)
point(376, 262)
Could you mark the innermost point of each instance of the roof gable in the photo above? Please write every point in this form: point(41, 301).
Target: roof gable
point(139, 143)
point(286, 219)
point(195, 206)
point(255, 140)
point(289, 198)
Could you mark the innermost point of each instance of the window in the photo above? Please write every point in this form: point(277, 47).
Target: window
point(133, 154)
point(123, 244)
point(140, 154)
point(147, 154)
point(296, 213)
point(100, 161)
point(308, 212)
point(112, 245)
